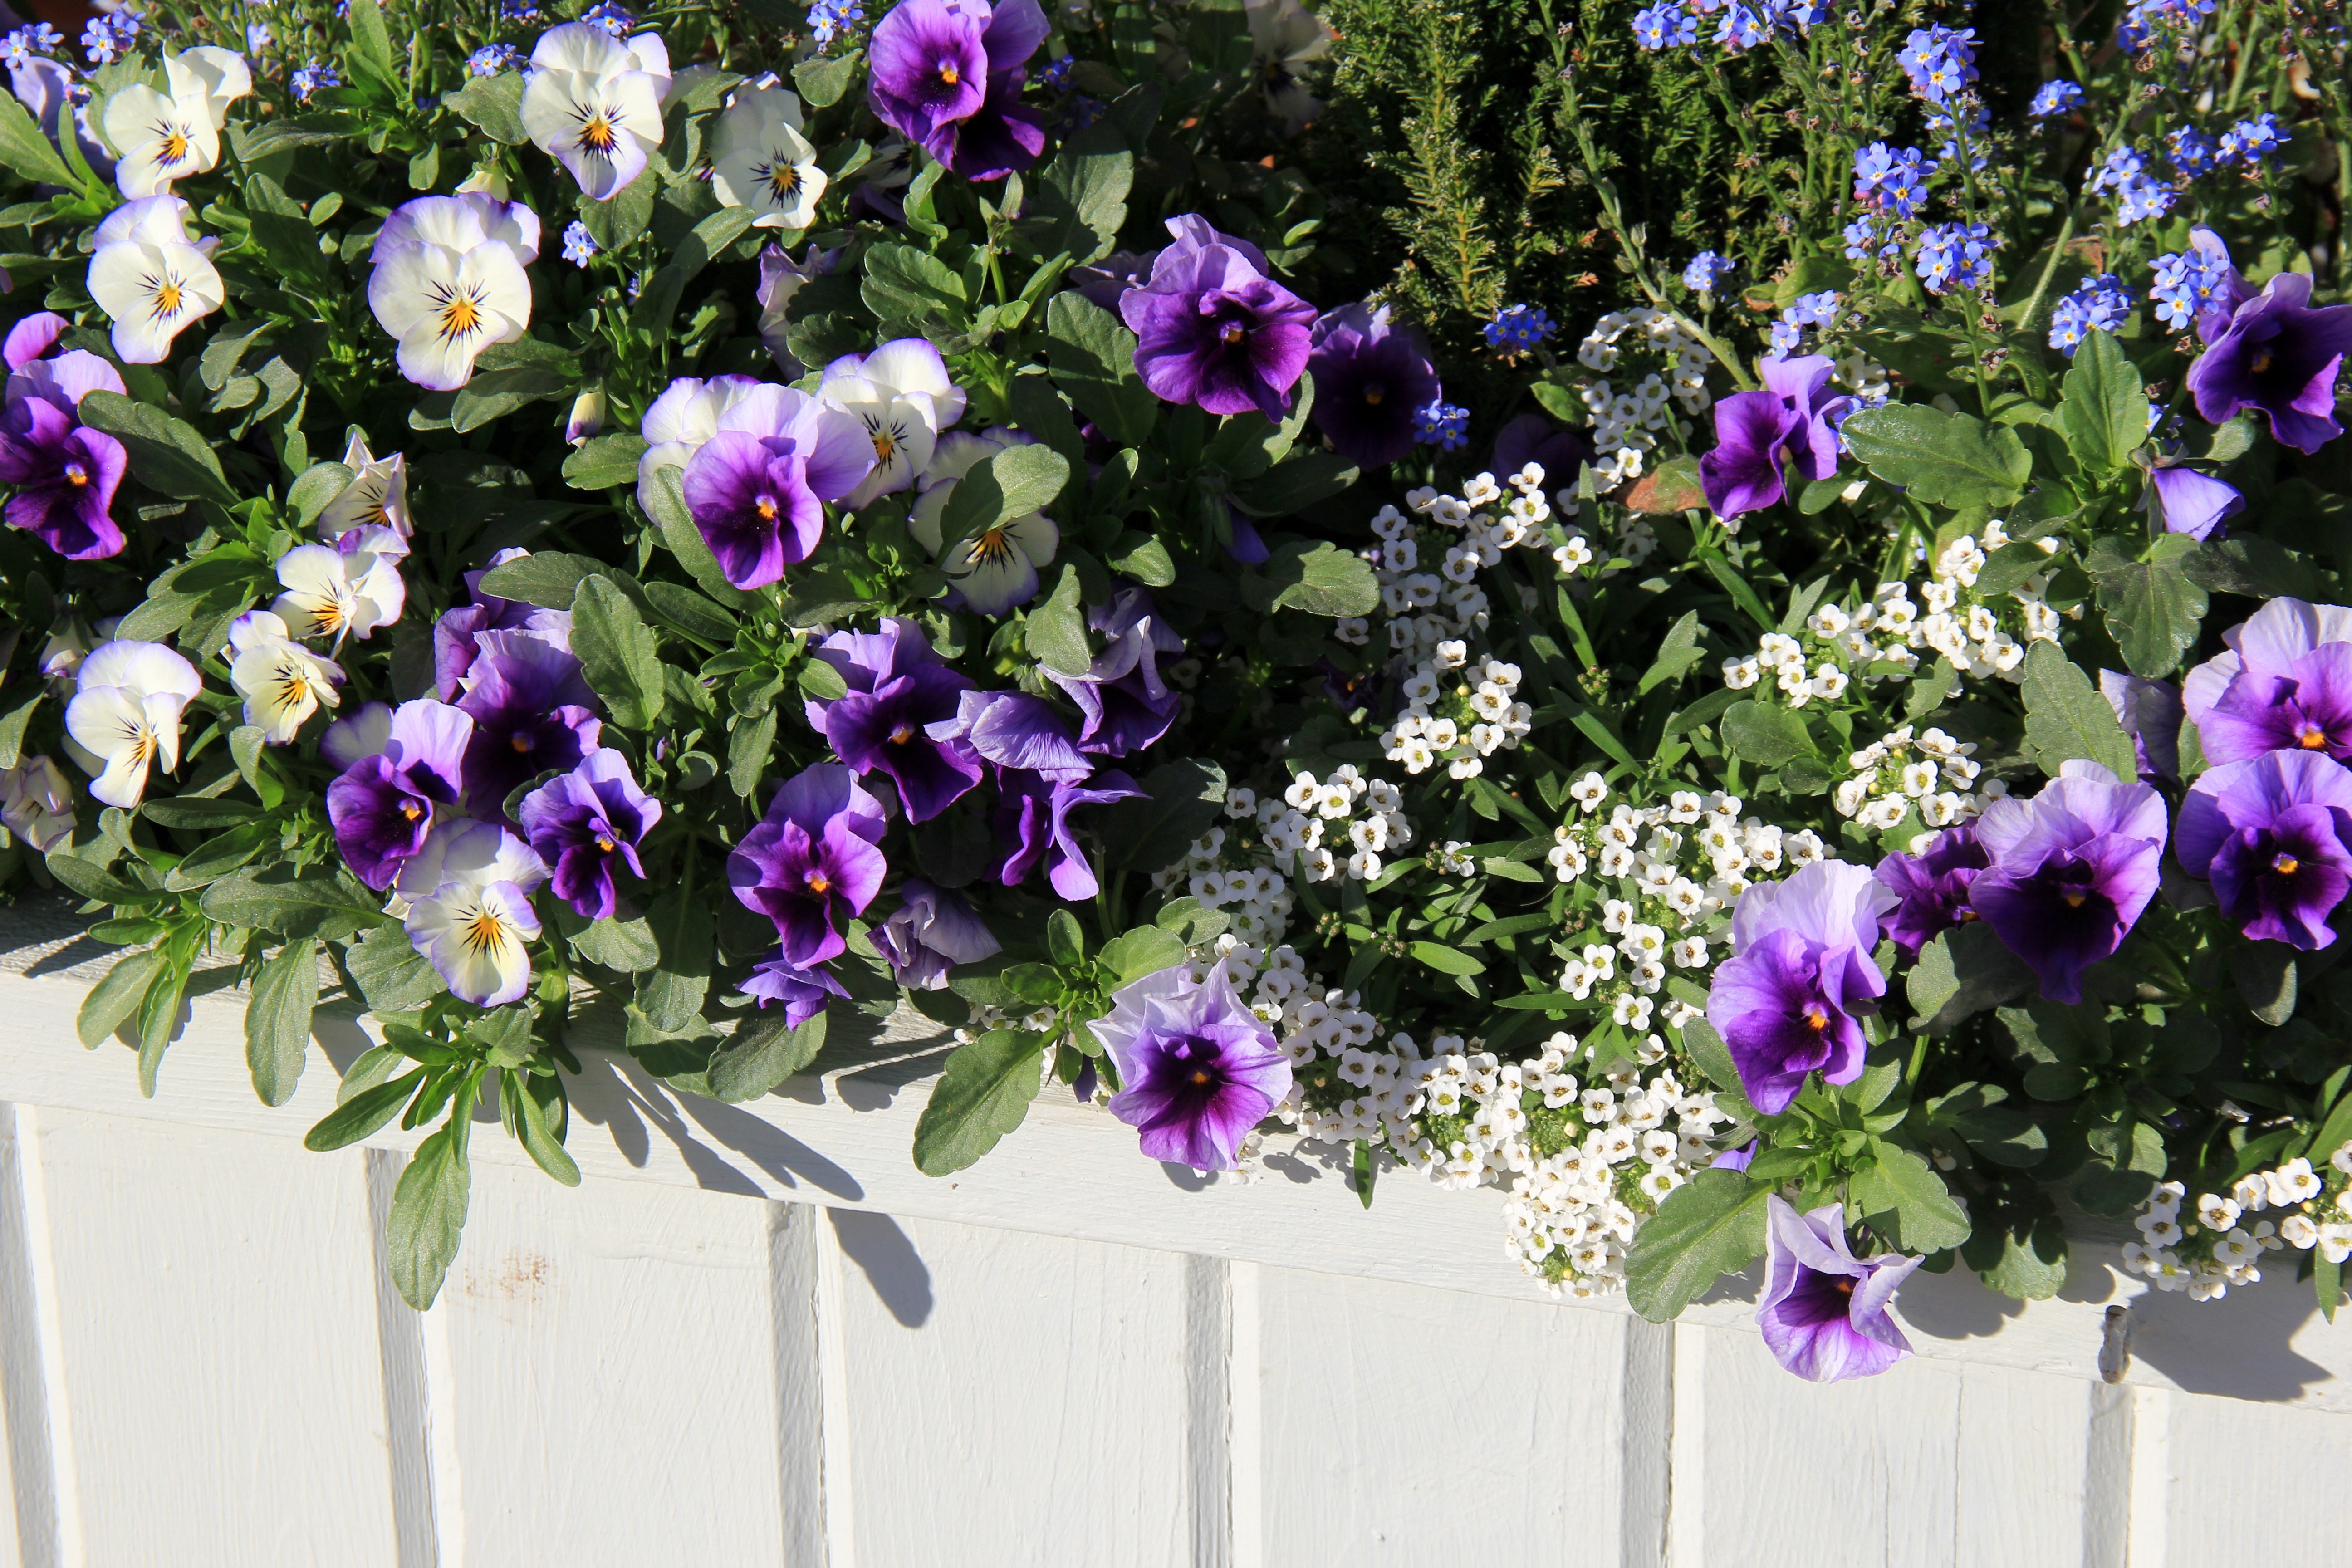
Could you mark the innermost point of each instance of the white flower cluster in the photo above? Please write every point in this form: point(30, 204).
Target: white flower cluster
point(1458, 713)
point(2218, 1243)
point(1897, 773)
point(1429, 578)
point(1882, 637)
point(1334, 827)
point(1681, 865)
point(1625, 424)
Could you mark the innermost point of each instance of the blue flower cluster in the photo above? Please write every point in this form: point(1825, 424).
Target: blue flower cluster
point(1054, 78)
point(2185, 284)
point(1516, 329)
point(1807, 311)
point(2138, 195)
point(24, 43)
point(2192, 152)
point(828, 19)
point(2249, 140)
point(1891, 179)
point(1706, 269)
point(1664, 25)
point(2096, 305)
point(2144, 19)
point(613, 18)
point(579, 245)
point(256, 37)
point(107, 37)
point(1940, 61)
point(314, 77)
point(1956, 256)
point(1441, 425)
point(492, 58)
point(2055, 98)
point(1865, 238)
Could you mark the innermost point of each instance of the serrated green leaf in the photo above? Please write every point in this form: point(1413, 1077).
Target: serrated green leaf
point(619, 655)
point(761, 1054)
point(2102, 407)
point(1906, 1202)
point(2066, 718)
point(983, 1094)
point(1710, 1226)
point(1950, 459)
point(277, 1020)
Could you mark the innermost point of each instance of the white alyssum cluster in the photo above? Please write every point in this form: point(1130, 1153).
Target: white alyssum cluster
point(1679, 867)
point(1458, 711)
point(1428, 571)
point(2218, 1242)
point(1333, 828)
point(1626, 420)
point(1900, 772)
point(1886, 637)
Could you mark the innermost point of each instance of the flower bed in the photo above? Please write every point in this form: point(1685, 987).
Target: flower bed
point(1744, 805)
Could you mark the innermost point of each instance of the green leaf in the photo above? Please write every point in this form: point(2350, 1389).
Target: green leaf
point(2102, 408)
point(1906, 1202)
point(11, 729)
point(904, 284)
point(530, 1124)
point(1711, 1055)
point(1296, 483)
point(389, 971)
point(605, 461)
point(656, 308)
point(275, 898)
point(2066, 718)
point(1056, 632)
point(1710, 1226)
point(496, 392)
point(1447, 960)
point(113, 999)
point(1066, 940)
point(1676, 654)
point(671, 994)
point(2031, 1264)
point(166, 454)
point(1093, 358)
point(618, 653)
point(25, 151)
point(1961, 973)
point(1144, 950)
point(1950, 459)
point(1765, 735)
point(1184, 797)
point(427, 1218)
point(1320, 578)
point(682, 608)
point(983, 1094)
point(361, 1114)
point(283, 230)
point(1011, 485)
point(823, 80)
point(749, 746)
point(671, 515)
point(2154, 610)
point(371, 52)
point(761, 1054)
point(277, 1020)
point(1078, 206)
point(1142, 557)
point(627, 946)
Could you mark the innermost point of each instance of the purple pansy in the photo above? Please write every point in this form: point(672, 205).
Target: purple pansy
point(1931, 889)
point(934, 930)
point(2274, 834)
point(2278, 354)
point(1016, 730)
point(2307, 708)
point(66, 474)
point(805, 992)
point(2072, 869)
point(948, 75)
point(454, 635)
point(897, 691)
point(2265, 644)
point(755, 486)
point(2189, 502)
point(402, 773)
point(1787, 1002)
point(812, 862)
point(1123, 704)
point(1197, 1067)
point(1213, 329)
point(585, 821)
point(1033, 824)
point(1823, 1311)
point(2149, 711)
point(1791, 424)
point(530, 708)
point(1371, 375)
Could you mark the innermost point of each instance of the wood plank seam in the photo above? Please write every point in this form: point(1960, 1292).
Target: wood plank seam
point(24, 1391)
point(795, 1296)
point(1207, 1396)
point(400, 1335)
point(1245, 1398)
point(1684, 1510)
point(71, 1548)
point(840, 1529)
point(2107, 1477)
point(1645, 1480)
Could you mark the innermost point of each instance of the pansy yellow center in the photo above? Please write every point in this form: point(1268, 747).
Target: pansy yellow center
point(605, 844)
point(2310, 737)
point(174, 144)
point(1199, 1075)
point(901, 734)
point(521, 741)
point(1232, 332)
point(948, 75)
point(483, 930)
point(992, 547)
point(2074, 897)
point(461, 314)
point(2261, 362)
point(818, 883)
point(2286, 864)
point(1816, 1016)
point(163, 293)
point(597, 133)
point(76, 474)
point(1374, 392)
point(411, 810)
point(783, 178)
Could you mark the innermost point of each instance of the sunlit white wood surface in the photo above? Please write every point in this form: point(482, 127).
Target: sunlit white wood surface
point(756, 1335)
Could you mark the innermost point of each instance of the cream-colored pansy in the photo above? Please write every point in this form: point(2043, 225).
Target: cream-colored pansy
point(445, 306)
point(166, 136)
point(126, 714)
point(150, 276)
point(376, 497)
point(760, 160)
point(282, 682)
point(333, 593)
point(997, 568)
point(594, 103)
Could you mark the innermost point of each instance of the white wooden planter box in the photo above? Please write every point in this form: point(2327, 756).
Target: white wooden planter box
point(757, 1335)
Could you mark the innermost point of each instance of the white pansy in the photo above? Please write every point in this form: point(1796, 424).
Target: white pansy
point(126, 714)
point(445, 303)
point(36, 803)
point(594, 103)
point(282, 682)
point(680, 420)
point(149, 277)
point(901, 394)
point(760, 160)
point(165, 136)
point(333, 593)
point(996, 569)
point(475, 926)
point(376, 497)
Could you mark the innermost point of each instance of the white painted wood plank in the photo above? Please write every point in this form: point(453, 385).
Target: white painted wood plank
point(2024, 1468)
point(609, 1391)
point(1409, 1426)
point(1013, 1399)
point(28, 1530)
point(217, 1345)
point(1842, 1474)
point(2250, 1483)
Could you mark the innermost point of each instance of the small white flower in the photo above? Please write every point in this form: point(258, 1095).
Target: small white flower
point(126, 713)
point(446, 299)
point(477, 924)
point(760, 160)
point(282, 682)
point(376, 497)
point(903, 396)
